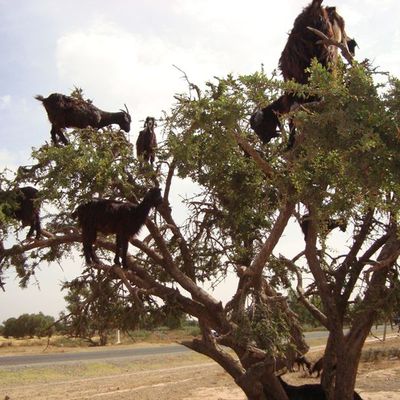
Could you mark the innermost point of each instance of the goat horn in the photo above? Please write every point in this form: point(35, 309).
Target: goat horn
point(126, 108)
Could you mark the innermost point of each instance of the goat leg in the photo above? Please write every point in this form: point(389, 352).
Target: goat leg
point(54, 134)
point(38, 228)
point(31, 230)
point(118, 247)
point(124, 246)
point(62, 137)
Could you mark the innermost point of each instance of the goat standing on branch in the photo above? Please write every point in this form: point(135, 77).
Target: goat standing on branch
point(23, 205)
point(69, 112)
point(110, 216)
point(302, 46)
point(146, 143)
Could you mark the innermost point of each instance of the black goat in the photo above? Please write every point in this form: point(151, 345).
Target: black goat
point(317, 367)
point(330, 224)
point(23, 205)
point(301, 47)
point(352, 44)
point(146, 143)
point(69, 112)
point(110, 216)
point(307, 392)
point(302, 361)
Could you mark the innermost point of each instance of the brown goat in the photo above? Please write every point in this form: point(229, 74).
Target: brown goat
point(302, 46)
point(69, 112)
point(22, 204)
point(146, 143)
point(110, 216)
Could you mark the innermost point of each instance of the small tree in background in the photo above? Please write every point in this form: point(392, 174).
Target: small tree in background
point(29, 325)
point(343, 166)
point(97, 306)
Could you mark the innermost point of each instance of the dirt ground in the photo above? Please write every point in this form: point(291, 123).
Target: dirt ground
point(175, 377)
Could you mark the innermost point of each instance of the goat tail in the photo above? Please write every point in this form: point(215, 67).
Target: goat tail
point(39, 97)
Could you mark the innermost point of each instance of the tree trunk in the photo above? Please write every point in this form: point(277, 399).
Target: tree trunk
point(103, 338)
point(339, 382)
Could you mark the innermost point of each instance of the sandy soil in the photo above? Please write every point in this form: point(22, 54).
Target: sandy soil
point(183, 377)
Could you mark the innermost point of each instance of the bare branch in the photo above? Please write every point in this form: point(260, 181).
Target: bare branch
point(191, 85)
point(168, 181)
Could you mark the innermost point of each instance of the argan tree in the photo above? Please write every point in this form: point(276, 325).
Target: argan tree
point(342, 170)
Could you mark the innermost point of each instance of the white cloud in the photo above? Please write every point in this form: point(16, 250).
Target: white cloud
point(5, 101)
point(114, 67)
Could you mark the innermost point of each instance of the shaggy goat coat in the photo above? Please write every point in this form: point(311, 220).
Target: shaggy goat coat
point(301, 47)
point(111, 216)
point(69, 112)
point(146, 143)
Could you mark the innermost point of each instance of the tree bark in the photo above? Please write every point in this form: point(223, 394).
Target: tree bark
point(348, 351)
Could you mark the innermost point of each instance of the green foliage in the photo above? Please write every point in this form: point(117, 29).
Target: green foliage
point(345, 162)
point(96, 306)
point(349, 159)
point(266, 327)
point(29, 325)
point(94, 164)
point(237, 199)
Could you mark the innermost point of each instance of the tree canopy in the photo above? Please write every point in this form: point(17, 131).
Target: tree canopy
point(342, 167)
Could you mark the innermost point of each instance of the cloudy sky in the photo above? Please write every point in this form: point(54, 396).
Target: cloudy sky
point(123, 52)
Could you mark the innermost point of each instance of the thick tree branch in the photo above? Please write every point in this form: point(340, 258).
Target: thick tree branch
point(168, 181)
point(181, 278)
point(324, 288)
point(147, 250)
point(357, 266)
point(230, 364)
point(188, 264)
point(358, 242)
point(374, 293)
point(248, 149)
point(140, 277)
point(265, 252)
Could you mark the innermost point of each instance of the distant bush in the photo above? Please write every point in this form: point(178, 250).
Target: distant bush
point(376, 354)
point(28, 325)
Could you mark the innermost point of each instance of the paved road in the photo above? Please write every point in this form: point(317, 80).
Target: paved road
point(109, 354)
point(96, 354)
